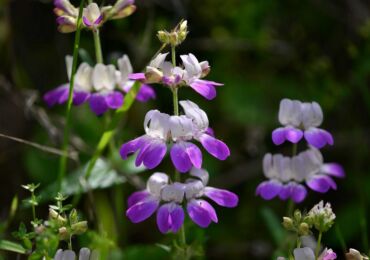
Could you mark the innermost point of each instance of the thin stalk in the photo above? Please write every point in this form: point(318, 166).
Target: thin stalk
point(294, 149)
point(70, 243)
point(318, 246)
point(33, 197)
point(290, 208)
point(63, 158)
point(298, 242)
point(97, 44)
point(177, 177)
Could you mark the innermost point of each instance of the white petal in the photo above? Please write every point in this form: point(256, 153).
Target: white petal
point(290, 112)
point(201, 174)
point(198, 116)
point(312, 115)
point(125, 68)
point(156, 182)
point(69, 61)
point(194, 189)
point(191, 65)
point(181, 128)
point(173, 192)
point(104, 77)
point(92, 12)
point(156, 124)
point(83, 77)
point(305, 253)
point(267, 166)
point(158, 60)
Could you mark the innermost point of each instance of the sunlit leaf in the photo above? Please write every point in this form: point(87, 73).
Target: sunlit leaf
point(12, 247)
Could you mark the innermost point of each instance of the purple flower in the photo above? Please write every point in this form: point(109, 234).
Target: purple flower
point(82, 86)
point(301, 120)
point(121, 9)
point(190, 74)
point(98, 85)
point(168, 204)
point(286, 174)
point(162, 129)
point(306, 253)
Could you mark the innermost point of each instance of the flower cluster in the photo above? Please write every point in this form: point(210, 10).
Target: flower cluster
point(102, 86)
point(162, 129)
point(167, 199)
point(190, 73)
point(286, 174)
point(93, 16)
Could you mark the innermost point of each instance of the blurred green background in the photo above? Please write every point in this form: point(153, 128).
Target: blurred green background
point(263, 51)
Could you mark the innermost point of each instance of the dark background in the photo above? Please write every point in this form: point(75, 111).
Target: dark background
point(263, 51)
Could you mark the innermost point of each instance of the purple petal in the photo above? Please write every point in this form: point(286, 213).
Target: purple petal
point(86, 21)
point(151, 153)
point(199, 212)
point(170, 217)
point(98, 20)
point(80, 97)
point(206, 90)
point(298, 193)
point(145, 93)
point(131, 147)
point(208, 207)
point(286, 192)
point(184, 155)
point(321, 183)
point(137, 76)
point(333, 169)
point(98, 104)
point(281, 134)
point(222, 197)
point(269, 189)
point(215, 147)
point(318, 137)
point(142, 210)
point(210, 132)
point(114, 100)
point(137, 197)
point(58, 95)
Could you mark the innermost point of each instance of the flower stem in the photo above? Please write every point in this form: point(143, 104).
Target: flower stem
point(318, 245)
point(63, 158)
point(97, 44)
point(294, 149)
point(33, 197)
point(298, 242)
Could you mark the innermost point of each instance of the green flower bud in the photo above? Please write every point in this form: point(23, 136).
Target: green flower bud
point(288, 223)
point(63, 233)
point(56, 216)
point(73, 216)
point(304, 229)
point(79, 227)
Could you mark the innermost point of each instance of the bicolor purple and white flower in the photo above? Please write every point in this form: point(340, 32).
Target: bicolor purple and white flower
point(167, 200)
point(102, 86)
point(81, 90)
point(301, 119)
point(286, 174)
point(162, 129)
point(191, 74)
point(93, 16)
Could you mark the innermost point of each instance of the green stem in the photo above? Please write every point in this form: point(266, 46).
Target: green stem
point(70, 243)
point(97, 44)
point(298, 242)
point(290, 208)
point(294, 149)
point(63, 158)
point(33, 206)
point(318, 246)
point(177, 177)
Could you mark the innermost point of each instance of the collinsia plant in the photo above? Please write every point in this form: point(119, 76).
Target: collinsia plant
point(167, 195)
point(288, 174)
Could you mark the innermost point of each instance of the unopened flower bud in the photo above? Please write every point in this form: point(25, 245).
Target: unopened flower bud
point(321, 217)
point(79, 227)
point(175, 37)
point(353, 254)
point(288, 223)
point(56, 216)
point(297, 215)
point(304, 229)
point(39, 229)
point(73, 216)
point(63, 233)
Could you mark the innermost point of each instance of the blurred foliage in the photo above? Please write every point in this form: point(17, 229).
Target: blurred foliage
point(262, 50)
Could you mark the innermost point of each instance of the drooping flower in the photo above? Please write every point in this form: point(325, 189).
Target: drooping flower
point(162, 129)
point(167, 200)
point(286, 174)
point(189, 74)
point(102, 86)
point(82, 86)
point(301, 119)
point(93, 15)
point(354, 254)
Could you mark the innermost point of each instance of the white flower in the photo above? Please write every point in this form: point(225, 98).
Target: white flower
point(104, 77)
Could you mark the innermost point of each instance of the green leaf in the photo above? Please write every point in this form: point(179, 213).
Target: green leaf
point(102, 176)
point(12, 247)
point(273, 224)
